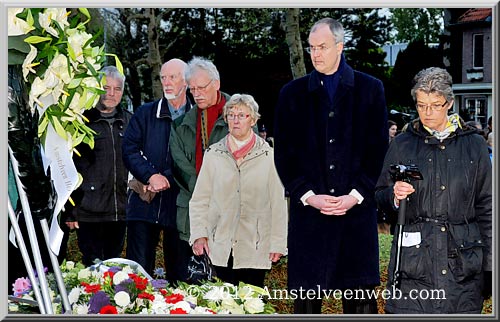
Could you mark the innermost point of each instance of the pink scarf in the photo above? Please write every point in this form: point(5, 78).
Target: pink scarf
point(241, 152)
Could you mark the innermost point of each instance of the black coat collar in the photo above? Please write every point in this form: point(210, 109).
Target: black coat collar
point(346, 78)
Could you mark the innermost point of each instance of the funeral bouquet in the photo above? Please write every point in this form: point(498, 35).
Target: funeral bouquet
point(122, 287)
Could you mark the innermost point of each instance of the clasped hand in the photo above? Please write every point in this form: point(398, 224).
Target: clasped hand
point(157, 183)
point(330, 205)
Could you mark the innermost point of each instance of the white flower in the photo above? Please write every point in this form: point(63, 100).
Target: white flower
point(245, 292)
point(28, 62)
point(231, 305)
point(119, 277)
point(81, 309)
point(16, 26)
point(182, 305)
point(254, 305)
point(38, 88)
point(201, 310)
point(74, 295)
point(76, 41)
point(84, 273)
point(53, 14)
point(127, 269)
point(54, 85)
point(70, 265)
point(217, 293)
point(75, 105)
point(191, 299)
point(159, 306)
point(92, 61)
point(122, 298)
point(59, 67)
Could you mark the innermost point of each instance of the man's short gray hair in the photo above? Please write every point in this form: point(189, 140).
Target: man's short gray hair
point(335, 27)
point(113, 72)
point(433, 80)
point(200, 63)
point(242, 100)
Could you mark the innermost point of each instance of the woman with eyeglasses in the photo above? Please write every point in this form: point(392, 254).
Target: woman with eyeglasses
point(238, 212)
point(445, 261)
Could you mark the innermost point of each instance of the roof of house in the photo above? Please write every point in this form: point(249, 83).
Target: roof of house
point(477, 14)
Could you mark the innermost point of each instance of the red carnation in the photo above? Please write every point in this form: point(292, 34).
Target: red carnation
point(147, 296)
point(92, 288)
point(140, 283)
point(178, 311)
point(108, 273)
point(174, 298)
point(108, 309)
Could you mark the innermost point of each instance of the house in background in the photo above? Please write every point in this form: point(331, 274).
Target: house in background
point(469, 59)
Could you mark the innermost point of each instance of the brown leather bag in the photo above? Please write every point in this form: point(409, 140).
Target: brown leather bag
point(139, 188)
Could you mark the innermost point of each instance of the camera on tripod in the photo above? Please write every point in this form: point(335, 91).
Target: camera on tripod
point(400, 172)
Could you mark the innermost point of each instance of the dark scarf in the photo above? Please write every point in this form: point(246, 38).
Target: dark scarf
point(331, 82)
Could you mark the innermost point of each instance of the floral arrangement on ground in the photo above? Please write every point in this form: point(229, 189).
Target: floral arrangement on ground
point(117, 288)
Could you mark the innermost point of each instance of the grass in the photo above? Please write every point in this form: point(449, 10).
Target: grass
point(277, 277)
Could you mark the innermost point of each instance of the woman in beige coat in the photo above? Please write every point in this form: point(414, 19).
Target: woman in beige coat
point(238, 212)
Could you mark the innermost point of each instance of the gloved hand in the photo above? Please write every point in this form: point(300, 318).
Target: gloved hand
point(487, 284)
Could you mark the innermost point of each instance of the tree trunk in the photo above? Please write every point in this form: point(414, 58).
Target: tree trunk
point(154, 57)
point(292, 31)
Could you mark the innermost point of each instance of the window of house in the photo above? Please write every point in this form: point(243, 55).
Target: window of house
point(478, 46)
point(476, 109)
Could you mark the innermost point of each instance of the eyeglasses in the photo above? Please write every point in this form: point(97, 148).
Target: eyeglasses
point(434, 107)
point(321, 49)
point(200, 88)
point(240, 116)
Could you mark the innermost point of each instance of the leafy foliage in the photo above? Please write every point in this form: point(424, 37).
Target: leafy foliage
point(417, 24)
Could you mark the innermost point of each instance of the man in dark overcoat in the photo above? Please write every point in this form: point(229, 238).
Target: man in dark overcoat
point(330, 140)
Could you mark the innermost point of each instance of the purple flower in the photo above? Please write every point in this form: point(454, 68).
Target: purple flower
point(45, 271)
point(124, 286)
point(97, 301)
point(115, 269)
point(158, 284)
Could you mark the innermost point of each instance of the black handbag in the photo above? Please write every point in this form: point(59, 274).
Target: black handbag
point(200, 269)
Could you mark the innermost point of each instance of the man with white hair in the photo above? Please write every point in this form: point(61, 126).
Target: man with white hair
point(151, 205)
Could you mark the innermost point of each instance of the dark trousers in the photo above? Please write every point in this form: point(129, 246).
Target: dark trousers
point(365, 304)
point(142, 240)
point(100, 240)
point(176, 254)
point(246, 275)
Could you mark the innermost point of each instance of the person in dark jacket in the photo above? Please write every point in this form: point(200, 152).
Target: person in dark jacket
point(151, 205)
point(446, 243)
point(330, 139)
point(99, 214)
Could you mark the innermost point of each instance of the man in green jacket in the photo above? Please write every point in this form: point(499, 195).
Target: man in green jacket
point(202, 126)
